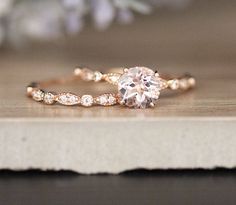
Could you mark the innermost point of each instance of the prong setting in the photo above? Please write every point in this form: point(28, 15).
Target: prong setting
point(126, 70)
point(138, 87)
point(152, 104)
point(156, 74)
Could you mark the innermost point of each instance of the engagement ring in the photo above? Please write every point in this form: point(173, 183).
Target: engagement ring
point(137, 87)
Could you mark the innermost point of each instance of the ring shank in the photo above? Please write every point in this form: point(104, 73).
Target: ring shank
point(37, 92)
point(183, 82)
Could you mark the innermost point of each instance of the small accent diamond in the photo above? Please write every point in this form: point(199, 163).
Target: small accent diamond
point(174, 84)
point(102, 100)
point(97, 76)
point(163, 84)
point(192, 82)
point(183, 84)
point(87, 74)
point(106, 99)
point(38, 95)
point(77, 71)
point(113, 78)
point(49, 98)
point(112, 100)
point(68, 99)
point(87, 100)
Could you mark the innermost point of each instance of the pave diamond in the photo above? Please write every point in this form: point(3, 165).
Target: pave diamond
point(112, 78)
point(106, 99)
point(87, 100)
point(68, 99)
point(38, 95)
point(87, 74)
point(97, 76)
point(49, 98)
point(139, 87)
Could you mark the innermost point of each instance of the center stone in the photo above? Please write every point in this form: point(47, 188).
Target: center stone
point(138, 87)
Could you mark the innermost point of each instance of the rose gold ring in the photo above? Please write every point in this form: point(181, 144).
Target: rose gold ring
point(137, 87)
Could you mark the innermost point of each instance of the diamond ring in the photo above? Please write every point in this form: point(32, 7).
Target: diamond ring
point(137, 87)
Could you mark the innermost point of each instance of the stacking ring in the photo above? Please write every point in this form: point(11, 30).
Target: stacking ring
point(137, 87)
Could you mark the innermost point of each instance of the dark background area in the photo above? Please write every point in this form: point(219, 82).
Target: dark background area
point(133, 187)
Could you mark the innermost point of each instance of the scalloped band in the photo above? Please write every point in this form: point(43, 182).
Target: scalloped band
point(138, 87)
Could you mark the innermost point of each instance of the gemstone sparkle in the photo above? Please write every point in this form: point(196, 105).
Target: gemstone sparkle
point(139, 87)
point(106, 99)
point(38, 95)
point(87, 100)
point(68, 99)
point(49, 98)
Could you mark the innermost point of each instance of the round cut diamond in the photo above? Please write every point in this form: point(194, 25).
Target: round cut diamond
point(87, 100)
point(106, 99)
point(49, 98)
point(87, 74)
point(103, 100)
point(139, 87)
point(38, 95)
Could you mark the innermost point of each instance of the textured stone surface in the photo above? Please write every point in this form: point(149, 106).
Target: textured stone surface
point(115, 145)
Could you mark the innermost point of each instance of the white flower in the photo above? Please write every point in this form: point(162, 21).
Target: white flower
point(21, 20)
point(75, 10)
point(35, 20)
point(125, 16)
point(103, 13)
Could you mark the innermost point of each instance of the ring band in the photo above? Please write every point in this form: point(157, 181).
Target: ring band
point(138, 87)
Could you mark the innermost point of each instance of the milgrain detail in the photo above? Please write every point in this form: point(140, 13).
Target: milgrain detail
point(106, 99)
point(67, 99)
point(137, 87)
point(70, 99)
point(112, 78)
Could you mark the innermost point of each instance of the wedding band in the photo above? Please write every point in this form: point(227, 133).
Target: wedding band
point(137, 87)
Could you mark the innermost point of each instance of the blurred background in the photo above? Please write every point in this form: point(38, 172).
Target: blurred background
point(171, 34)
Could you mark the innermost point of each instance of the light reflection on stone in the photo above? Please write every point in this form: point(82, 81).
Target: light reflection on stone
point(139, 87)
